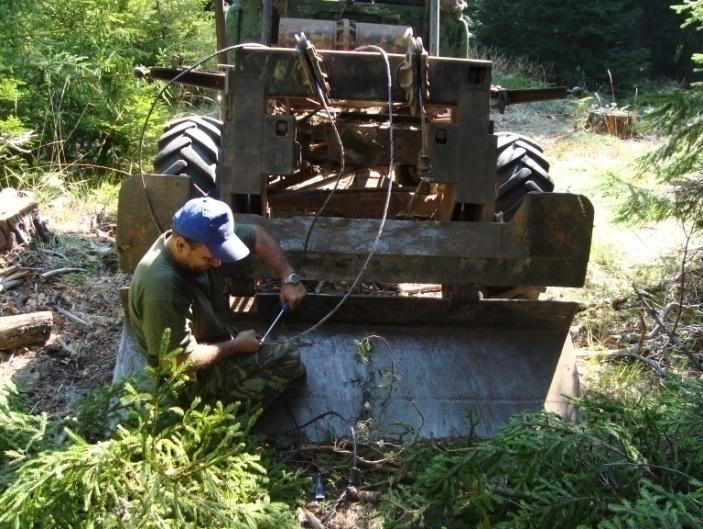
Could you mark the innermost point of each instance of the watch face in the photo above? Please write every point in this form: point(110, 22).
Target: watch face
point(293, 278)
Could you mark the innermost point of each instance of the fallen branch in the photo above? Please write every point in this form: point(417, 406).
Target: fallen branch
point(656, 330)
point(9, 270)
point(7, 285)
point(52, 273)
point(6, 142)
point(69, 316)
point(15, 269)
point(17, 275)
point(25, 329)
point(618, 303)
point(672, 335)
point(14, 276)
point(630, 352)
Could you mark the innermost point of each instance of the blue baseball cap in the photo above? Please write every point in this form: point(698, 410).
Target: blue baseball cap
point(211, 222)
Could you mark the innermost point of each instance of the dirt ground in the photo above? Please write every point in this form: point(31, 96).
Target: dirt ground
point(80, 356)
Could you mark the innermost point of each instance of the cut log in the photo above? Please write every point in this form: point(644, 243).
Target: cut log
point(25, 329)
point(615, 122)
point(19, 220)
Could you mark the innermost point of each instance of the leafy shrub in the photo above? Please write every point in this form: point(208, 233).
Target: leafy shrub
point(625, 462)
point(165, 466)
point(678, 164)
point(66, 71)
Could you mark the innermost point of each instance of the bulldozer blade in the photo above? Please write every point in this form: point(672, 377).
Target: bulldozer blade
point(427, 367)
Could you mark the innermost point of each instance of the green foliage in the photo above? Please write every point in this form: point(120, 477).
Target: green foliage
point(21, 433)
point(693, 9)
point(66, 71)
point(164, 466)
point(633, 463)
point(678, 164)
point(580, 40)
point(638, 203)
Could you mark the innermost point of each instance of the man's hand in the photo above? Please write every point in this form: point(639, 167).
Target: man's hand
point(208, 354)
point(292, 294)
point(246, 342)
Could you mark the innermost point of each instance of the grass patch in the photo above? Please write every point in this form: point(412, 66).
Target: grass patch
point(83, 200)
point(516, 72)
point(516, 81)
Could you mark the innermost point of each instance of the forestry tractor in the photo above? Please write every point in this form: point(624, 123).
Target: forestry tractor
point(338, 115)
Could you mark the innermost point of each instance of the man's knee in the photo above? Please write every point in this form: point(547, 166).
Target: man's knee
point(278, 354)
point(130, 360)
point(289, 363)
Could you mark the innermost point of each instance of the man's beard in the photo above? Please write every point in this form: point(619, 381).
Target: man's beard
point(195, 271)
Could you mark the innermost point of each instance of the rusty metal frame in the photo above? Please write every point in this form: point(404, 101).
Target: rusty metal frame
point(464, 150)
point(547, 242)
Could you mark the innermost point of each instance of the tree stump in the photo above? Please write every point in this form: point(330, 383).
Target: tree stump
point(25, 329)
point(19, 220)
point(615, 122)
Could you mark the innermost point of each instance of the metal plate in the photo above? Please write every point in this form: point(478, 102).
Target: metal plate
point(547, 242)
point(136, 230)
point(434, 379)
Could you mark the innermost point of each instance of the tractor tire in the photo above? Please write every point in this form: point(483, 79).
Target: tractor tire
point(520, 169)
point(190, 146)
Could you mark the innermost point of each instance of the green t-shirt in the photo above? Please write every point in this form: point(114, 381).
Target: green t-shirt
point(161, 296)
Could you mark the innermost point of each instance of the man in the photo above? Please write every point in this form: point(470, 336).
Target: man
point(177, 286)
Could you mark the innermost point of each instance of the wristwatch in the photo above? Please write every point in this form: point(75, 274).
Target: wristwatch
point(293, 279)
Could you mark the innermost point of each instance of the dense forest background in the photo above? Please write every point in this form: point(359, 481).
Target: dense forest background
point(579, 41)
point(67, 90)
point(67, 87)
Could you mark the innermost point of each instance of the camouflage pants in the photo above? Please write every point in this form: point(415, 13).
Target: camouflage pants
point(260, 377)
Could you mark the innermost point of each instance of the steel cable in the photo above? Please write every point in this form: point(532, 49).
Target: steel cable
point(391, 164)
point(153, 106)
point(384, 217)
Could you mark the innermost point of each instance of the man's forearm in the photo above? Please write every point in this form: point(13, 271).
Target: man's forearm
point(207, 354)
point(269, 251)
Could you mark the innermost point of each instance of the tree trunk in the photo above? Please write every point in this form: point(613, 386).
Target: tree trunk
point(618, 123)
point(25, 329)
point(19, 220)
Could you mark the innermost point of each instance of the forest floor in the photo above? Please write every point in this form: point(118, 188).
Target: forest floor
point(80, 356)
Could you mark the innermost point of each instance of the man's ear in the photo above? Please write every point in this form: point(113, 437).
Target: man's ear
point(180, 243)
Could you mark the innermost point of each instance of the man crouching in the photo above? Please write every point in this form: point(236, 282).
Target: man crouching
point(178, 286)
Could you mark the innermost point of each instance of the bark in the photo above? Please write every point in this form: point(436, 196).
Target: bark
point(614, 122)
point(19, 220)
point(25, 329)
